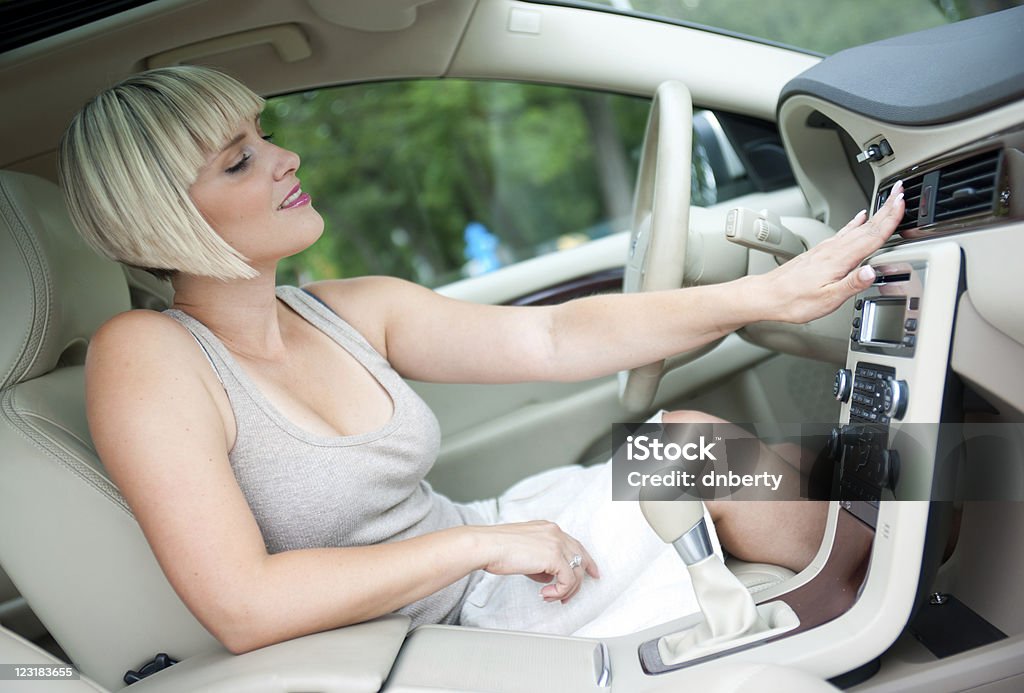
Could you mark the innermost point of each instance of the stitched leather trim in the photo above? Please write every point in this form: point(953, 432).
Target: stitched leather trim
point(66, 458)
point(41, 286)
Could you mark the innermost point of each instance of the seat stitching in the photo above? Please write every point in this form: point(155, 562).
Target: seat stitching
point(30, 254)
point(63, 456)
point(56, 424)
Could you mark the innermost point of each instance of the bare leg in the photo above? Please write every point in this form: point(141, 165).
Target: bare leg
point(781, 532)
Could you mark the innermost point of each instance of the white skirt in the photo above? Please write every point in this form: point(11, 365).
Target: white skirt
point(643, 581)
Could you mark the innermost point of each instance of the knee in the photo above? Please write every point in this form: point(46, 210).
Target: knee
point(690, 416)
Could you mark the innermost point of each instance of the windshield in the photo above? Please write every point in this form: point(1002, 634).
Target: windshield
point(819, 26)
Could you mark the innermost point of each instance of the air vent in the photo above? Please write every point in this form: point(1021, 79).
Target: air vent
point(912, 197)
point(966, 187)
point(959, 189)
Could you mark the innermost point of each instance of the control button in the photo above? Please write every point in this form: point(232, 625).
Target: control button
point(910, 340)
point(910, 324)
point(897, 396)
point(860, 303)
point(866, 372)
point(856, 322)
point(872, 153)
point(842, 385)
point(835, 443)
point(855, 335)
point(914, 302)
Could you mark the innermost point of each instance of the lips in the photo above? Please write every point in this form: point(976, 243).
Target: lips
point(295, 198)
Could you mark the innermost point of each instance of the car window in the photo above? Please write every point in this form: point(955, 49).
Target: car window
point(437, 180)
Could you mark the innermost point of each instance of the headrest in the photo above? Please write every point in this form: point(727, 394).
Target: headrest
point(54, 289)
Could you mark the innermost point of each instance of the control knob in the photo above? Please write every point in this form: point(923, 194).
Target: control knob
point(842, 385)
point(887, 469)
point(895, 395)
point(835, 443)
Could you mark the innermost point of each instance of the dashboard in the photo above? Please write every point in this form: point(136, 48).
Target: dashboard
point(939, 338)
point(943, 110)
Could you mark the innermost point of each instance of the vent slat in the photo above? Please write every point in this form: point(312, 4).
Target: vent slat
point(963, 211)
point(977, 181)
point(980, 195)
point(985, 166)
point(912, 200)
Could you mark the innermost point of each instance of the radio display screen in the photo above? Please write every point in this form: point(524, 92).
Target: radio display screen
point(883, 320)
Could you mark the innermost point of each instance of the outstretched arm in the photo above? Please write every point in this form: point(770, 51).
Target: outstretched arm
point(426, 336)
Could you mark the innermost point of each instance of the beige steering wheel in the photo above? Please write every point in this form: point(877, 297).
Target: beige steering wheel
point(661, 220)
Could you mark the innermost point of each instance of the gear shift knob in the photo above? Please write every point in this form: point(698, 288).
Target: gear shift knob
point(680, 523)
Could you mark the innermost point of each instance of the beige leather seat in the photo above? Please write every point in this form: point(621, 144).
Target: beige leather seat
point(15, 649)
point(69, 542)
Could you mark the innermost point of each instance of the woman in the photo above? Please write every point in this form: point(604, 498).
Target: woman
point(264, 436)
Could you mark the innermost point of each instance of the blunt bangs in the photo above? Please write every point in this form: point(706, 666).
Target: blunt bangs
point(129, 157)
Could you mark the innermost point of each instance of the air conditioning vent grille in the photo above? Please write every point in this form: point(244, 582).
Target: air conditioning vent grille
point(958, 189)
point(966, 187)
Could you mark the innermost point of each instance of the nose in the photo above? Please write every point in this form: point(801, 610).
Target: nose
point(287, 162)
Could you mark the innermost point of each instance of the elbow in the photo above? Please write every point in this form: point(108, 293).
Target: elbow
point(239, 646)
point(241, 637)
point(239, 627)
point(237, 636)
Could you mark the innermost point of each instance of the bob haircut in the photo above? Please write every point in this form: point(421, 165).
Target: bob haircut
point(129, 157)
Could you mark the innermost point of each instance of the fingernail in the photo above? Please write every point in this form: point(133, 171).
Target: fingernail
point(861, 213)
point(899, 197)
point(898, 185)
point(866, 273)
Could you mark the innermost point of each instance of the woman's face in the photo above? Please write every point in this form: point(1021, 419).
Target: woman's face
point(250, 194)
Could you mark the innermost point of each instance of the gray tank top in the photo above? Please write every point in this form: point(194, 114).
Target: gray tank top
point(311, 491)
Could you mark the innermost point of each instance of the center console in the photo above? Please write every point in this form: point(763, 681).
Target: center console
point(894, 384)
point(856, 597)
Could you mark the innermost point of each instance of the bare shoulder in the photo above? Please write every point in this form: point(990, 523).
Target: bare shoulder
point(142, 339)
point(369, 304)
point(372, 290)
point(152, 394)
point(144, 366)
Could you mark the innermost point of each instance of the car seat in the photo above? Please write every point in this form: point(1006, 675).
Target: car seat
point(69, 542)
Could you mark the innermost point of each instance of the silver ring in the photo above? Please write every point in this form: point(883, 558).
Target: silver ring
point(576, 561)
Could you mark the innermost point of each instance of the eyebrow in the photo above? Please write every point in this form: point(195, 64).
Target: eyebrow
point(240, 136)
point(234, 140)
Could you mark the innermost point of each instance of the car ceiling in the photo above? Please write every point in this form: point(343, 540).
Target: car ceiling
point(342, 41)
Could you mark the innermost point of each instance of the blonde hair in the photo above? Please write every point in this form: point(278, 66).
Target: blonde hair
point(128, 158)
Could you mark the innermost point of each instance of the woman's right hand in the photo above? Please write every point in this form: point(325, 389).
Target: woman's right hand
point(541, 551)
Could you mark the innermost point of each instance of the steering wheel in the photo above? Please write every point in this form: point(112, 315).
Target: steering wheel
point(661, 219)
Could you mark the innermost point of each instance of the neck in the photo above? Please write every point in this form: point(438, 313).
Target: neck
point(244, 313)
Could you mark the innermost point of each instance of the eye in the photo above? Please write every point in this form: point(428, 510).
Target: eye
point(242, 164)
point(269, 137)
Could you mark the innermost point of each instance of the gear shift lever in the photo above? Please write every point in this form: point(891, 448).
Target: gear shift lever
point(680, 523)
point(730, 616)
